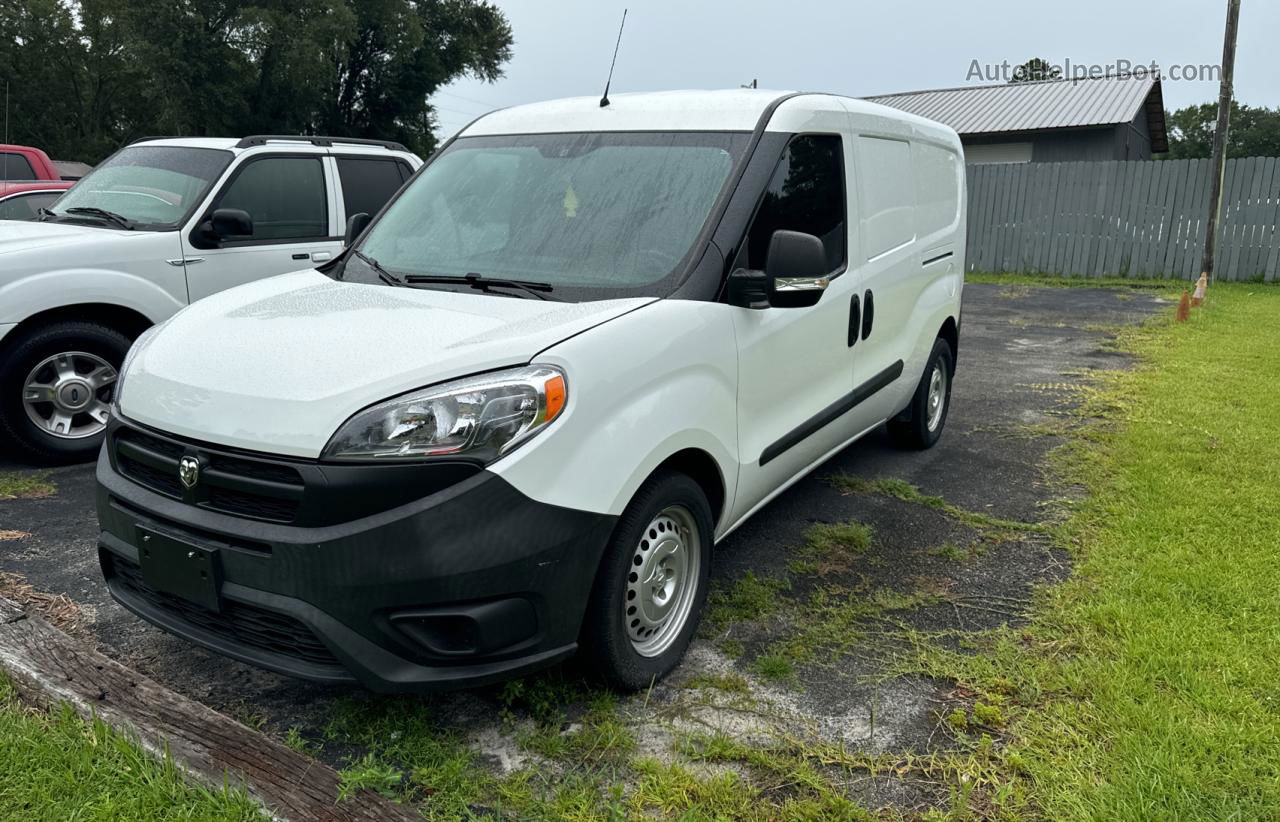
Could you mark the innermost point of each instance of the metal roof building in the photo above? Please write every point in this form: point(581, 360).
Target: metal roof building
point(1107, 118)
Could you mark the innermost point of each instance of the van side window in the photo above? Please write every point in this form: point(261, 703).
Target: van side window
point(806, 193)
point(285, 197)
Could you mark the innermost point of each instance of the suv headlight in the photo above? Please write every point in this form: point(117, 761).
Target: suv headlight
point(481, 417)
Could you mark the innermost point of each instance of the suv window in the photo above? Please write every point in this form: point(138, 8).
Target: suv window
point(806, 193)
point(15, 167)
point(284, 196)
point(368, 184)
point(25, 206)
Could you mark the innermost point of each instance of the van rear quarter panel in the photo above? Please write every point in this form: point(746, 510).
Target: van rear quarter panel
point(642, 387)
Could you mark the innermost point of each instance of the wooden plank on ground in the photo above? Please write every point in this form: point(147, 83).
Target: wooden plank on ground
point(48, 667)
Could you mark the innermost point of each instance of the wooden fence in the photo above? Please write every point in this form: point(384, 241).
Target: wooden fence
point(1123, 219)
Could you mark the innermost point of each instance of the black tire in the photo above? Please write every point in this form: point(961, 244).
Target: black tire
point(22, 354)
point(911, 428)
point(606, 647)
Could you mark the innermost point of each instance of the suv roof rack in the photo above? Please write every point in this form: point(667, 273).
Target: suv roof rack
point(261, 139)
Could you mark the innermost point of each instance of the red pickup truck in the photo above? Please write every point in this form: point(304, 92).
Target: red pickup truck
point(29, 181)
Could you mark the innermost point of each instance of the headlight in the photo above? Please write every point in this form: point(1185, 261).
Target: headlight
point(481, 417)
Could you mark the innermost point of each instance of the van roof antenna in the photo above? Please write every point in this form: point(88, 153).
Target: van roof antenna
point(604, 99)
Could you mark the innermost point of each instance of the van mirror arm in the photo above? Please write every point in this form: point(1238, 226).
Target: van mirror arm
point(749, 289)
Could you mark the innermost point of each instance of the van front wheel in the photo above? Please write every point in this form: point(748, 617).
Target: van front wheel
point(920, 425)
point(652, 584)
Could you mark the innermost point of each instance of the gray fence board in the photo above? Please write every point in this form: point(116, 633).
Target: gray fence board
point(1270, 228)
point(1135, 219)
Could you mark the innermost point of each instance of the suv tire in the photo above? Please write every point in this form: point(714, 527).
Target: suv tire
point(652, 584)
point(69, 356)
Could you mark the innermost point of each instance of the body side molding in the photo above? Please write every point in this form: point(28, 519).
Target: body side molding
point(832, 412)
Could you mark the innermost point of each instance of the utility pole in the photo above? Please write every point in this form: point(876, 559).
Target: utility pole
point(1219, 165)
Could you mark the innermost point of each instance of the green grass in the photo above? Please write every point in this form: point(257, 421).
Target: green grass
point(26, 485)
point(902, 490)
point(55, 766)
point(407, 753)
point(831, 547)
point(748, 598)
point(1146, 686)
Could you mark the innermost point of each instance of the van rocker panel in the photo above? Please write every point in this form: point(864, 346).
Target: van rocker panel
point(472, 584)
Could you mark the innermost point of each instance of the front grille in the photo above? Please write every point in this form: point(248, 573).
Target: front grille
point(243, 487)
point(166, 483)
point(250, 505)
point(242, 624)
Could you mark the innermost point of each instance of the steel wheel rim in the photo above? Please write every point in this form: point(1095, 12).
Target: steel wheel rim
point(937, 396)
point(662, 581)
point(68, 395)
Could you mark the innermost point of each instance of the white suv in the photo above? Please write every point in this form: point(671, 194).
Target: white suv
point(161, 223)
point(581, 346)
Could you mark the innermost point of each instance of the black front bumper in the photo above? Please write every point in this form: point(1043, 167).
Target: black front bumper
point(471, 584)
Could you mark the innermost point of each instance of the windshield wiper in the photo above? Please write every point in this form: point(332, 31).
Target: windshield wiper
point(43, 214)
point(483, 283)
point(102, 213)
point(386, 276)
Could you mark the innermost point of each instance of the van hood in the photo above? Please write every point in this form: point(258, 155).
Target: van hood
point(28, 235)
point(279, 364)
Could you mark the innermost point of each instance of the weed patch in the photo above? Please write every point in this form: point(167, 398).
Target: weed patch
point(26, 485)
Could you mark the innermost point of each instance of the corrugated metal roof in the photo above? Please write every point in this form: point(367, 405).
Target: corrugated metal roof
point(1029, 106)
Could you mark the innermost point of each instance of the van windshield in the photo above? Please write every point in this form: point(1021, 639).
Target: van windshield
point(594, 215)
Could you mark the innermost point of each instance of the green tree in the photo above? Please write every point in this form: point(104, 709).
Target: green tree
point(1034, 70)
point(1255, 132)
point(86, 76)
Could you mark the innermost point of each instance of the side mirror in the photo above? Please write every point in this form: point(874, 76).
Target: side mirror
point(356, 224)
point(795, 274)
point(796, 269)
point(228, 222)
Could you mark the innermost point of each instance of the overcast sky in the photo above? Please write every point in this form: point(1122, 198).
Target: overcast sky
point(562, 47)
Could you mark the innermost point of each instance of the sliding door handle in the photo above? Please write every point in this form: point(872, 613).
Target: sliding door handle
point(868, 313)
point(855, 320)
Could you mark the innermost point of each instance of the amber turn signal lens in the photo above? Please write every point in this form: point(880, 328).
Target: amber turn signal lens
point(554, 389)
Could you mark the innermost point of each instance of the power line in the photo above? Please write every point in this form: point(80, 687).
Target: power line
point(468, 99)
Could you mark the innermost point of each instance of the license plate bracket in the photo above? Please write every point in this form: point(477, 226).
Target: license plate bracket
point(180, 568)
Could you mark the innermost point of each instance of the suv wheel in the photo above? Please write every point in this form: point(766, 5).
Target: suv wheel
point(56, 385)
point(921, 424)
point(652, 584)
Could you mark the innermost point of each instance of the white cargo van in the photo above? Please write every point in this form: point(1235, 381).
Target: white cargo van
point(580, 347)
point(160, 223)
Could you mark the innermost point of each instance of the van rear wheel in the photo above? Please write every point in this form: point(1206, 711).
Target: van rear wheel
point(652, 584)
point(56, 386)
point(920, 425)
